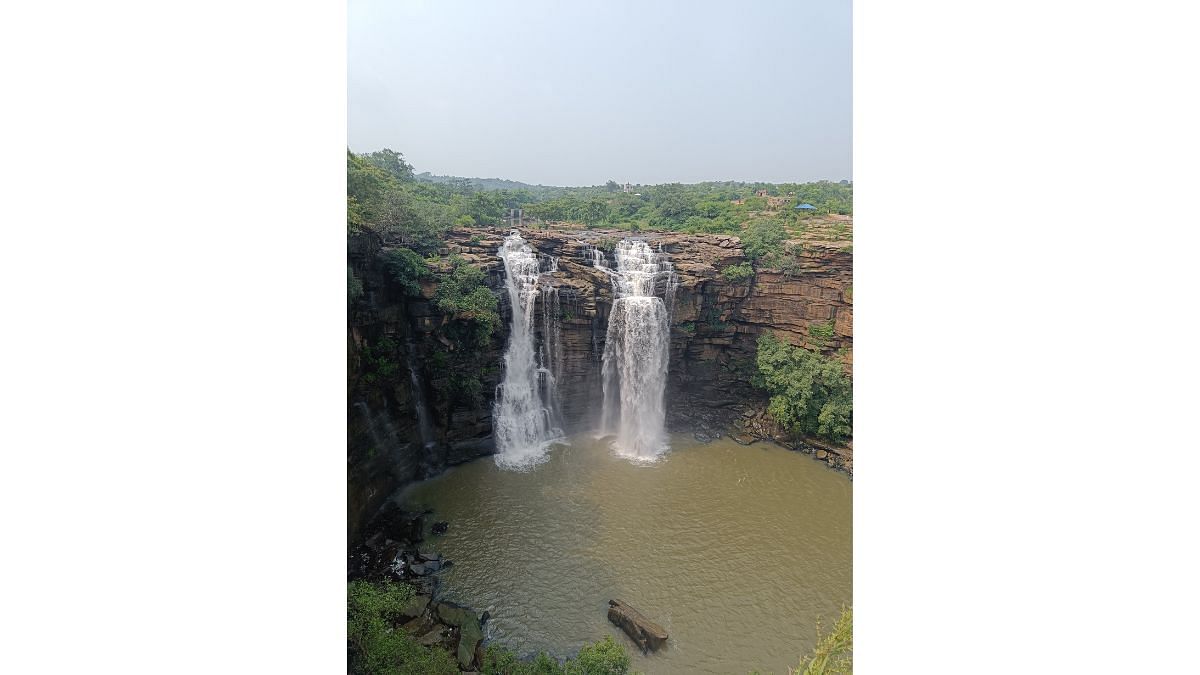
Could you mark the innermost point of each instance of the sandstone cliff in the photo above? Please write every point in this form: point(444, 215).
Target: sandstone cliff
point(715, 324)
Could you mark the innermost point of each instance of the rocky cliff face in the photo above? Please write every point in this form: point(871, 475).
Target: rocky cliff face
point(715, 324)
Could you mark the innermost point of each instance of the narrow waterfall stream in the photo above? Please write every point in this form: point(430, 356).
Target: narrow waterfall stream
point(636, 349)
point(526, 417)
point(418, 389)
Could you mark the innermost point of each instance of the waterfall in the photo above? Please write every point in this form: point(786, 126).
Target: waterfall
point(637, 348)
point(526, 417)
point(418, 394)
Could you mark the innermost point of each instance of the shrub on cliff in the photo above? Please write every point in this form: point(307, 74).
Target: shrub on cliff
point(763, 240)
point(809, 393)
point(462, 294)
point(738, 273)
point(377, 645)
point(406, 267)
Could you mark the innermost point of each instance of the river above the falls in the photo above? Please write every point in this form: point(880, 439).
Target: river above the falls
point(736, 551)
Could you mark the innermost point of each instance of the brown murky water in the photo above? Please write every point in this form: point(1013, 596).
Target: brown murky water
point(737, 551)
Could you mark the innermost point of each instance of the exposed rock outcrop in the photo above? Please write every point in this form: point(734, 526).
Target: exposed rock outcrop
point(715, 323)
point(648, 635)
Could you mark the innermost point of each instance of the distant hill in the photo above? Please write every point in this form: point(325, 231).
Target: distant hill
point(485, 183)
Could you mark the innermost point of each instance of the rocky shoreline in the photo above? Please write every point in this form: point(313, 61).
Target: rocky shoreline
point(395, 550)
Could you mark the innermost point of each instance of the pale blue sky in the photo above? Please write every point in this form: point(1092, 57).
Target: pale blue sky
point(575, 93)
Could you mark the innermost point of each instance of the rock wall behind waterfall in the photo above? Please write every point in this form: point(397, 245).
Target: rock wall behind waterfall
point(715, 324)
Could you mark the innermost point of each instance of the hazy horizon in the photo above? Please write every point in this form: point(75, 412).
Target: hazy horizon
point(577, 95)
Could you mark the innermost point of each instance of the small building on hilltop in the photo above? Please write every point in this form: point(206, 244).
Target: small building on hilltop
point(760, 193)
point(806, 207)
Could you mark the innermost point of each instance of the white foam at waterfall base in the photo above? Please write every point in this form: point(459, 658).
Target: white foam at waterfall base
point(636, 351)
point(524, 418)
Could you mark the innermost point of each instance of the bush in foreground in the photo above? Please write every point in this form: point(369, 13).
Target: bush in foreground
point(377, 645)
point(605, 657)
point(834, 653)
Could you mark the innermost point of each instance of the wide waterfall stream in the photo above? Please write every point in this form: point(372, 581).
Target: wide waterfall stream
point(636, 348)
point(737, 551)
point(526, 415)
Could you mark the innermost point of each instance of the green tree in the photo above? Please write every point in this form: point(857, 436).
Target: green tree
point(810, 394)
point(593, 211)
point(406, 267)
point(763, 240)
point(391, 162)
point(462, 294)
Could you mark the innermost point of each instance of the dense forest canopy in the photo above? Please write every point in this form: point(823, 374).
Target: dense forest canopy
point(385, 195)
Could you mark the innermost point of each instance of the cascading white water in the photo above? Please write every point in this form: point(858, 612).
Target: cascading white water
point(526, 414)
point(636, 349)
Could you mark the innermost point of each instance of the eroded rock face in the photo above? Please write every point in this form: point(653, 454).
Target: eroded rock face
point(715, 324)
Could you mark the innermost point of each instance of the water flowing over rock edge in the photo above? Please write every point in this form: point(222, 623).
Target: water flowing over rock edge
point(713, 325)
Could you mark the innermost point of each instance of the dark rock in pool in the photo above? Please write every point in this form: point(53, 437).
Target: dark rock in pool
point(702, 437)
point(427, 585)
point(470, 630)
point(647, 634)
point(415, 607)
point(440, 527)
point(418, 569)
point(743, 439)
point(430, 555)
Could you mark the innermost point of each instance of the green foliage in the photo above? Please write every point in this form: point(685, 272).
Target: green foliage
point(827, 196)
point(688, 327)
point(466, 387)
point(607, 244)
point(763, 240)
point(392, 162)
point(461, 293)
point(834, 653)
point(378, 360)
point(377, 645)
point(406, 268)
point(821, 331)
point(809, 393)
point(738, 273)
point(383, 195)
point(605, 657)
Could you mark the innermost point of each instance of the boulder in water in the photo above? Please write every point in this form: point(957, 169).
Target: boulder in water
point(470, 631)
point(440, 527)
point(647, 634)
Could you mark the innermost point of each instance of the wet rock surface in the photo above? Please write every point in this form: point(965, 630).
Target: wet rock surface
point(648, 636)
point(715, 324)
point(391, 551)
